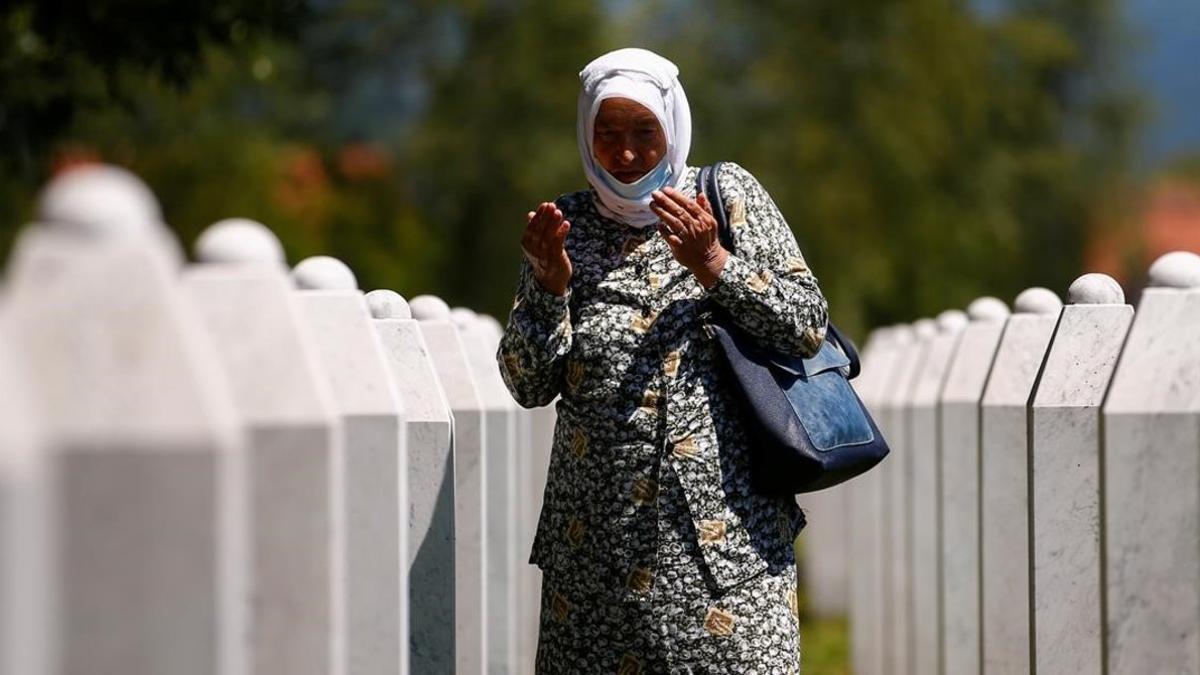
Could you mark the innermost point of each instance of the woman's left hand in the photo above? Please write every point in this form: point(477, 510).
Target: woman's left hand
point(691, 231)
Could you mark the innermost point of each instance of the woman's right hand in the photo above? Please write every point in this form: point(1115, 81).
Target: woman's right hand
point(542, 244)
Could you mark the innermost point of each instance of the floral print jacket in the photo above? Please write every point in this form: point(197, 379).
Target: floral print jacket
point(648, 463)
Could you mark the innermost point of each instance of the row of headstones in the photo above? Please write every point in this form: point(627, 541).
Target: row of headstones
point(1040, 508)
point(227, 467)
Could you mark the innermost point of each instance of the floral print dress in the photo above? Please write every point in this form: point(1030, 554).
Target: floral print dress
point(657, 556)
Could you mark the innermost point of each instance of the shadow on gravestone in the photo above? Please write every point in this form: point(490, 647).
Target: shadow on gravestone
point(242, 293)
point(431, 560)
point(1064, 436)
point(141, 439)
point(1004, 482)
point(28, 641)
point(926, 520)
point(500, 411)
point(375, 472)
point(470, 484)
point(965, 380)
point(1151, 513)
point(532, 458)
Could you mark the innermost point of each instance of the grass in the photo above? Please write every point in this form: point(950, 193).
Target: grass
point(824, 642)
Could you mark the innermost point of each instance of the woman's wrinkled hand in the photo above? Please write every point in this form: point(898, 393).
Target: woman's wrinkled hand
point(691, 231)
point(543, 244)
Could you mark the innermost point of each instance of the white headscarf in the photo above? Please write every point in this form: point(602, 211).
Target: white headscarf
point(653, 81)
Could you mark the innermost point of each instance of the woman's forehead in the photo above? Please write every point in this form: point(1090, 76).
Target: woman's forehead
point(617, 110)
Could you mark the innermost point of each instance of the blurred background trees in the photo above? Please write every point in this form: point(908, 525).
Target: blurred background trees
point(924, 151)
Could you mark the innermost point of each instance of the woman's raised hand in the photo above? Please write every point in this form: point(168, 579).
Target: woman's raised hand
point(691, 231)
point(542, 244)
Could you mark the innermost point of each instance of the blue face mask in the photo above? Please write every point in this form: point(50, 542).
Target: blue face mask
point(655, 179)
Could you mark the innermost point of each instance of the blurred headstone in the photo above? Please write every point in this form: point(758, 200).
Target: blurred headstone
point(140, 438)
point(243, 296)
point(928, 609)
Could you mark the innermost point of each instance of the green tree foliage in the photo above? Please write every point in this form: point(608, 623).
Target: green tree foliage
point(924, 153)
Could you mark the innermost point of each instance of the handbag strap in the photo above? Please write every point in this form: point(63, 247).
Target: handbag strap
point(708, 185)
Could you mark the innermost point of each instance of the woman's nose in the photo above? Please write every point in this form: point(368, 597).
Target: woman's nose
point(627, 155)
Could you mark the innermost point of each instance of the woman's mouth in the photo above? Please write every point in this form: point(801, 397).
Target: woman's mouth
point(628, 176)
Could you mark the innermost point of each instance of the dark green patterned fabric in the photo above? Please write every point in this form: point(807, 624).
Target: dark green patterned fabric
point(657, 555)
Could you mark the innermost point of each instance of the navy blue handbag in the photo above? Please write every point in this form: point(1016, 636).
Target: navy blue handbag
point(810, 429)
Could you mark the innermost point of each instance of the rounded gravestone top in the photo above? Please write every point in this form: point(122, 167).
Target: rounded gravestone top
point(987, 308)
point(323, 273)
point(951, 320)
point(901, 334)
point(1037, 300)
point(99, 200)
point(1095, 289)
point(239, 240)
point(925, 328)
point(385, 304)
point(429, 308)
point(463, 317)
point(1177, 269)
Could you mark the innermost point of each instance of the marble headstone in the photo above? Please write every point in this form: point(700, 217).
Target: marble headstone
point(243, 296)
point(1152, 495)
point(139, 435)
point(965, 380)
point(926, 533)
point(1004, 481)
point(374, 474)
point(1065, 488)
point(470, 480)
point(430, 514)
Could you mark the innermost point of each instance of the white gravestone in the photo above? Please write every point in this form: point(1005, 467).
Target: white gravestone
point(242, 294)
point(1004, 481)
point(867, 627)
point(960, 398)
point(430, 561)
point(374, 474)
point(28, 641)
point(470, 481)
point(925, 529)
point(896, 516)
point(1152, 494)
point(140, 438)
point(500, 412)
point(530, 452)
point(1065, 489)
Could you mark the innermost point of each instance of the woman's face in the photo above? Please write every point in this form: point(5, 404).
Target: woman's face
point(627, 139)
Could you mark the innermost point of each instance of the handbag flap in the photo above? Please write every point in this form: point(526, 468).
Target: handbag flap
point(827, 358)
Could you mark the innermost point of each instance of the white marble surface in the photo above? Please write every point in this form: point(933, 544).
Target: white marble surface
point(430, 512)
point(503, 557)
point(895, 419)
point(1064, 433)
point(867, 587)
point(141, 440)
point(1005, 491)
point(1152, 505)
point(926, 510)
point(293, 440)
point(965, 380)
point(470, 472)
point(374, 476)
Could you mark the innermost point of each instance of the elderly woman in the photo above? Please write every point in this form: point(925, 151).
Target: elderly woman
point(657, 556)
